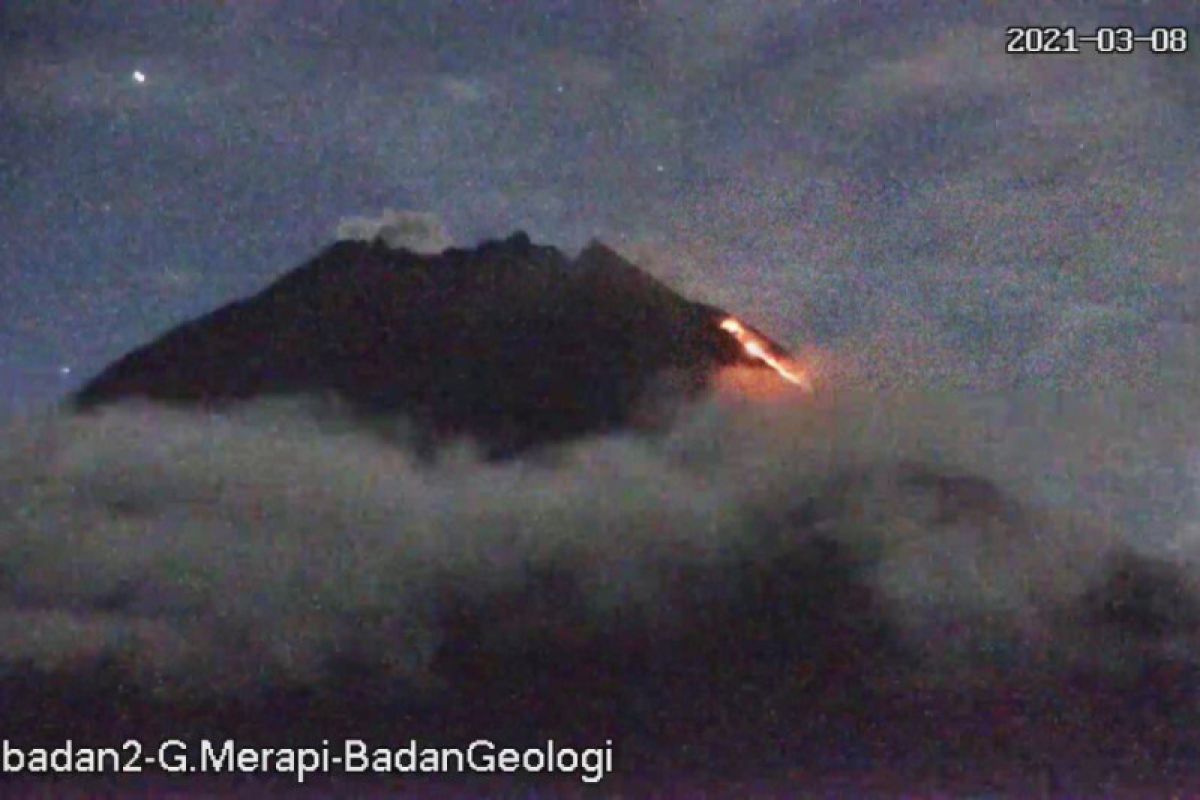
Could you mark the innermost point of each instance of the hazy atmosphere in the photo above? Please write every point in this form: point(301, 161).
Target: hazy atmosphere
point(988, 262)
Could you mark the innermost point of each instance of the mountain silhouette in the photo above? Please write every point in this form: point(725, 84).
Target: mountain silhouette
point(510, 343)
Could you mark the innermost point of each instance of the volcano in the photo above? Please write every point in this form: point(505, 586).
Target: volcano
point(511, 343)
point(766, 597)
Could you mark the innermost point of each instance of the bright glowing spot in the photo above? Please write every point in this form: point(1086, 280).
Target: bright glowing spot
point(756, 349)
point(139, 76)
point(64, 370)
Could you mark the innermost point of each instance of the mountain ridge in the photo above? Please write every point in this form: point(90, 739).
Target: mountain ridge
point(510, 343)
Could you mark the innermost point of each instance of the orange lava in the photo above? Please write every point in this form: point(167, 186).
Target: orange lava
point(755, 348)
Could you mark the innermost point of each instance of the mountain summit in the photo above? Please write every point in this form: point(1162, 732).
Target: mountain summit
point(511, 343)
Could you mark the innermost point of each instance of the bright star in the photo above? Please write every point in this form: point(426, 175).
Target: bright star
point(139, 76)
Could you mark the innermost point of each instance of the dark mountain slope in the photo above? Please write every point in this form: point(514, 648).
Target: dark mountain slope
point(511, 343)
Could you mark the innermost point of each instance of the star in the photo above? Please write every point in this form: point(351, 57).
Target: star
point(139, 76)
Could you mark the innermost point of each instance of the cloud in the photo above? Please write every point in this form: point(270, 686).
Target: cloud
point(223, 553)
point(418, 231)
point(975, 198)
point(961, 60)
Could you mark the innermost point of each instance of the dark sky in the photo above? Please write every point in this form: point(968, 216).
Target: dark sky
point(879, 178)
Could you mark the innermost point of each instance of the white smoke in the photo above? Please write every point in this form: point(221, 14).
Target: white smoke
point(418, 231)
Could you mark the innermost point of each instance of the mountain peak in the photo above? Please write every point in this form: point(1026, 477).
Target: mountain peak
point(519, 240)
point(510, 343)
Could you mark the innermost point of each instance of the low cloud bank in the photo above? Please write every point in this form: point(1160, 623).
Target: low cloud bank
point(273, 542)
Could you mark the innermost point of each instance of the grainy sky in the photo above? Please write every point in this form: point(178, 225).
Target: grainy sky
point(879, 178)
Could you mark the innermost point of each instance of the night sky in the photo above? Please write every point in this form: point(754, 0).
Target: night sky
point(877, 178)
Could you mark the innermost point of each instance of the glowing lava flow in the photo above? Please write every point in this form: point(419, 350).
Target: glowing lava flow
point(756, 349)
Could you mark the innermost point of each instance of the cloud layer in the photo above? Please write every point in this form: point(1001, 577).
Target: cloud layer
point(272, 548)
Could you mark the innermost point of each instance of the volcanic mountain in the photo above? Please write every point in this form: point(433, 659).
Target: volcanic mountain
point(510, 343)
point(825, 596)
